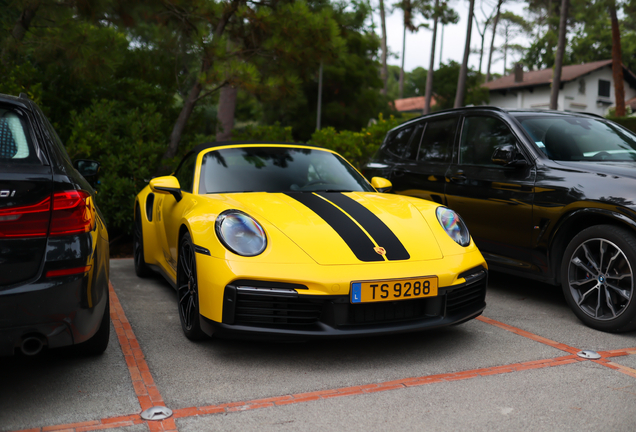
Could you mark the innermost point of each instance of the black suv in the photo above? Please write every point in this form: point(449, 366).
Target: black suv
point(53, 242)
point(547, 195)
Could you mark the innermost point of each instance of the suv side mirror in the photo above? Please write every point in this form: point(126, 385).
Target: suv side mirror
point(86, 167)
point(166, 185)
point(506, 155)
point(89, 169)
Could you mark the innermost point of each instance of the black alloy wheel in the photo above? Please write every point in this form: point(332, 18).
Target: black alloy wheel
point(598, 275)
point(141, 268)
point(188, 290)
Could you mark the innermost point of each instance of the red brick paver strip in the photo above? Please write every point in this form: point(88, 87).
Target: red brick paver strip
point(149, 395)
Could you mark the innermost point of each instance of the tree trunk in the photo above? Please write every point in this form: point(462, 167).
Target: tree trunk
point(431, 64)
point(193, 95)
point(492, 41)
point(402, 68)
point(463, 71)
point(225, 113)
point(24, 22)
point(505, 56)
point(182, 120)
point(441, 46)
point(558, 63)
point(481, 48)
point(384, 72)
point(617, 63)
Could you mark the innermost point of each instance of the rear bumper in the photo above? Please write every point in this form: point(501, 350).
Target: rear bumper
point(318, 317)
point(61, 311)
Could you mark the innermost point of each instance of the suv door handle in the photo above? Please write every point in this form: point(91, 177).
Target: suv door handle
point(458, 177)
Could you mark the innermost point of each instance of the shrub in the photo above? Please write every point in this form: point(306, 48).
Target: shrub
point(274, 133)
point(128, 144)
point(626, 122)
point(356, 147)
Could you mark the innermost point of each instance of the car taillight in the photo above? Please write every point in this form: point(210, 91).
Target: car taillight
point(26, 221)
point(72, 214)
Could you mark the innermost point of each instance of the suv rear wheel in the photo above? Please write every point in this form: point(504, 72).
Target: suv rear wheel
point(597, 276)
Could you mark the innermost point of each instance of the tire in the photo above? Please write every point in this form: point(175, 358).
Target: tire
point(188, 290)
point(141, 268)
point(598, 274)
point(97, 344)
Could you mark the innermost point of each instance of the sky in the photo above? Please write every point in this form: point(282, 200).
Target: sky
point(418, 45)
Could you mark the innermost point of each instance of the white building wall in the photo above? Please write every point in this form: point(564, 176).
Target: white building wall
point(578, 95)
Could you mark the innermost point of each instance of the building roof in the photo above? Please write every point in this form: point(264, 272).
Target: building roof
point(411, 104)
point(544, 76)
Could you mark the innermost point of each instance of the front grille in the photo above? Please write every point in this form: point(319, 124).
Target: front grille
point(381, 312)
point(266, 309)
point(466, 296)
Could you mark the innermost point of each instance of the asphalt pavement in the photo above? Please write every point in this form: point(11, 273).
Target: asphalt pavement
point(514, 368)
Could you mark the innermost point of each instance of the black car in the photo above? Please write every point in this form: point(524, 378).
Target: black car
point(547, 195)
point(53, 242)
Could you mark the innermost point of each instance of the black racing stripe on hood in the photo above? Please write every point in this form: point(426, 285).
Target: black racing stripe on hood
point(377, 229)
point(359, 243)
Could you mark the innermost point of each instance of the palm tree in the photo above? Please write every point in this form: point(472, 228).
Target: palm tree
point(558, 63)
point(431, 64)
point(617, 65)
point(463, 71)
point(384, 72)
point(492, 41)
point(407, 7)
point(446, 15)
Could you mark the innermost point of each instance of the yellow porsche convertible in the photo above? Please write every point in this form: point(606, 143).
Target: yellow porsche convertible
point(272, 240)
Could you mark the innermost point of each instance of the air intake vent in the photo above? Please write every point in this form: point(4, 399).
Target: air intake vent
point(466, 296)
point(268, 309)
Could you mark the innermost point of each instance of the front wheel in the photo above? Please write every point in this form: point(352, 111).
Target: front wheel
point(188, 290)
point(597, 276)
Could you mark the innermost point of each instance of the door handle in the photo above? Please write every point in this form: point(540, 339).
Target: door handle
point(458, 177)
point(398, 173)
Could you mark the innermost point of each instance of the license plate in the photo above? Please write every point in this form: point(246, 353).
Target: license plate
point(396, 289)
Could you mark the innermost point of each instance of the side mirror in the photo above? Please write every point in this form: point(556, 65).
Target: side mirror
point(89, 169)
point(166, 185)
point(506, 155)
point(381, 184)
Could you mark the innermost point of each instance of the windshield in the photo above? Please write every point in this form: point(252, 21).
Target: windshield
point(580, 139)
point(277, 169)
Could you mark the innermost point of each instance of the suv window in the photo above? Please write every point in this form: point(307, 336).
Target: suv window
point(185, 173)
point(399, 140)
point(437, 142)
point(480, 136)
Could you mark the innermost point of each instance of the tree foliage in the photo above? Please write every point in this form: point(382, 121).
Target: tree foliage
point(351, 83)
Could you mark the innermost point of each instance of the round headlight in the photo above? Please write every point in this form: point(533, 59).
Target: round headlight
point(240, 233)
point(453, 225)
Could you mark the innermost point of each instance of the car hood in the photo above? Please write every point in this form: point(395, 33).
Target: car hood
point(608, 168)
point(345, 228)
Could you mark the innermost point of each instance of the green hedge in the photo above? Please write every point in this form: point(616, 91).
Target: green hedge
point(627, 122)
point(356, 147)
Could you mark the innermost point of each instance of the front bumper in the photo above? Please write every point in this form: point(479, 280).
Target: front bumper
point(286, 314)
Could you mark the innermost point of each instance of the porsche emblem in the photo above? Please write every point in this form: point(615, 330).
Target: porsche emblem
point(380, 250)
